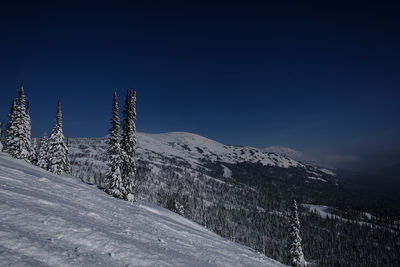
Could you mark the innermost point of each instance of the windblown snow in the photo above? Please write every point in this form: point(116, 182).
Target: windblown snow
point(50, 220)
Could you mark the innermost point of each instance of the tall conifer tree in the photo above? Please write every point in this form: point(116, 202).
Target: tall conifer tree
point(10, 130)
point(114, 178)
point(18, 132)
point(68, 168)
point(128, 145)
point(57, 149)
point(30, 148)
point(42, 158)
point(296, 256)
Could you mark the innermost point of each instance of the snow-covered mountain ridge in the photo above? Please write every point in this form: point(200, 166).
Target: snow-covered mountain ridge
point(285, 151)
point(195, 147)
point(302, 157)
point(194, 150)
point(51, 220)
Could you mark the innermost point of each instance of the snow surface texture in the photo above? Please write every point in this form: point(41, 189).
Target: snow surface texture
point(51, 220)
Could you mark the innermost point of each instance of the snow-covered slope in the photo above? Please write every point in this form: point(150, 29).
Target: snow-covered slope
point(50, 220)
point(195, 147)
point(188, 149)
point(286, 151)
point(365, 218)
point(301, 157)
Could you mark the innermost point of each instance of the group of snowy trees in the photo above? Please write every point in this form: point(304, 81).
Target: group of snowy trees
point(121, 150)
point(53, 153)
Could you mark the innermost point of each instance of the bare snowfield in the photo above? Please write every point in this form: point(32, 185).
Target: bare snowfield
point(51, 220)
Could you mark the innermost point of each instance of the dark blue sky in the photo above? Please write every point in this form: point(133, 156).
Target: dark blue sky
point(311, 77)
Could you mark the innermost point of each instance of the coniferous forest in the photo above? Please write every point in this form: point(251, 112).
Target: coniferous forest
point(253, 207)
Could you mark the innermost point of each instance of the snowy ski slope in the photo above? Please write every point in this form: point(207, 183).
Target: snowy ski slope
point(50, 220)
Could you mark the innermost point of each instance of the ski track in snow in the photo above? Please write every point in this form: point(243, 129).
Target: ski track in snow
point(50, 220)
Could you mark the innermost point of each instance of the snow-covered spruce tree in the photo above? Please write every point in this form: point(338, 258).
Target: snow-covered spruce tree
point(10, 140)
point(114, 178)
point(57, 149)
point(42, 158)
point(68, 168)
point(128, 145)
point(30, 147)
point(295, 253)
point(18, 132)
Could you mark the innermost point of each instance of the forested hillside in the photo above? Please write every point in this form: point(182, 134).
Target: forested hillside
point(236, 193)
